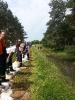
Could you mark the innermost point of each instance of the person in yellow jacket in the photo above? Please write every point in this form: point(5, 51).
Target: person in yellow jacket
point(2, 57)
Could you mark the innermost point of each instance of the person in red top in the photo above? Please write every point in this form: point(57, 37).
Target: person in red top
point(2, 57)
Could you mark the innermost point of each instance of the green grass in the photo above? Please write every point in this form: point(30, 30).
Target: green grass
point(69, 50)
point(13, 57)
point(48, 81)
point(43, 79)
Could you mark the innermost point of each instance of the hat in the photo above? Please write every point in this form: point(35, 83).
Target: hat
point(19, 40)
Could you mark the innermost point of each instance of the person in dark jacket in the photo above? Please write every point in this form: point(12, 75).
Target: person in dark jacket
point(19, 51)
point(2, 57)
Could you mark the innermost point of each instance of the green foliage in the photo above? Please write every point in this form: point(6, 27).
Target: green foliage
point(10, 24)
point(57, 12)
point(69, 3)
point(35, 42)
point(52, 37)
point(61, 27)
point(14, 57)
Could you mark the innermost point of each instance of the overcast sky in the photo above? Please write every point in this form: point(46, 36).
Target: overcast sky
point(32, 14)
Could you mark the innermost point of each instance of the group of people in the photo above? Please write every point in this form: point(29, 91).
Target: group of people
point(20, 49)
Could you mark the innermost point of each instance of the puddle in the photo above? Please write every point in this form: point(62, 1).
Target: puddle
point(65, 64)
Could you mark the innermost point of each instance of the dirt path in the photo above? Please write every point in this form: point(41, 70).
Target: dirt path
point(21, 84)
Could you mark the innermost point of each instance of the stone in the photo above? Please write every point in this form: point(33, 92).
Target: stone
point(26, 96)
point(10, 84)
point(23, 68)
point(18, 94)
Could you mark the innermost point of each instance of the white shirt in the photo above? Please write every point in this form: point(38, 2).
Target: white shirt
point(11, 49)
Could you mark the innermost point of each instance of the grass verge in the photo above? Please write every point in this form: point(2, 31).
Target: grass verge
point(48, 81)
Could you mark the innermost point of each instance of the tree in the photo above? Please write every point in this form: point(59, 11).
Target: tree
point(35, 42)
point(57, 15)
point(11, 24)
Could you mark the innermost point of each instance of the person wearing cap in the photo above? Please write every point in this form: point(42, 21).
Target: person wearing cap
point(2, 57)
point(19, 53)
point(18, 42)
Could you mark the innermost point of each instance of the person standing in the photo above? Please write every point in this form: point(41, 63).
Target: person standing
point(2, 57)
point(27, 50)
point(19, 53)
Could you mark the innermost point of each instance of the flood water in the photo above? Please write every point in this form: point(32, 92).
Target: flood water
point(65, 64)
